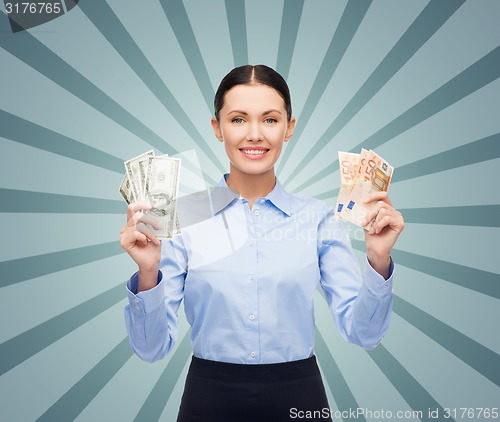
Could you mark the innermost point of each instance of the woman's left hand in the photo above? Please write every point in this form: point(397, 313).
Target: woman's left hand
point(385, 229)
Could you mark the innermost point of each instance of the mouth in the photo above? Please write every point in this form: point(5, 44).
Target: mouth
point(254, 153)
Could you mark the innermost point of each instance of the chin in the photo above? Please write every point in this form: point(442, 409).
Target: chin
point(253, 170)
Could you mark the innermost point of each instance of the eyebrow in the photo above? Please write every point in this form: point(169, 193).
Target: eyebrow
point(244, 113)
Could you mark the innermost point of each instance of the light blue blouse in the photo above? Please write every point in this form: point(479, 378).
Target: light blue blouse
point(248, 279)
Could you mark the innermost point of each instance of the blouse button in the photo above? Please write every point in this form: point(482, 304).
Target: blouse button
point(252, 317)
point(250, 243)
point(252, 354)
point(262, 201)
point(251, 277)
point(257, 212)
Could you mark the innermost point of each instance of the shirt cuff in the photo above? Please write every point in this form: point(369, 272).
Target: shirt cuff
point(375, 281)
point(147, 300)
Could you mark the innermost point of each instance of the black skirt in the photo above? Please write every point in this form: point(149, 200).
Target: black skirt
point(220, 392)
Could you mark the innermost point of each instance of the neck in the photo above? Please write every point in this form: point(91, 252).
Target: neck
point(251, 186)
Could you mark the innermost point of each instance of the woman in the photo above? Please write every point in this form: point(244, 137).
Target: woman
point(248, 274)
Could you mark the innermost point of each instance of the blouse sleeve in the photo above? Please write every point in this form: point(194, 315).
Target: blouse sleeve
point(151, 316)
point(361, 306)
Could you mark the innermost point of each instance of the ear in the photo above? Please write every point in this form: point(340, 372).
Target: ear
point(289, 129)
point(217, 130)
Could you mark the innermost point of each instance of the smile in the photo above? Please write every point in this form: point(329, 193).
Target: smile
point(254, 153)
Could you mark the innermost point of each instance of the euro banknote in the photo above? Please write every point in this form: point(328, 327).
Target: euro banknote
point(349, 163)
point(373, 175)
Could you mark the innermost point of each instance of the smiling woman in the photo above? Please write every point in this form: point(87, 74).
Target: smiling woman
point(253, 124)
point(249, 273)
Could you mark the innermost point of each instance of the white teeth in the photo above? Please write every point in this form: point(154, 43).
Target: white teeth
point(254, 151)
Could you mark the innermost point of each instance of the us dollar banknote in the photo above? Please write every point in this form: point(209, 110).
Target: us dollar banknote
point(137, 171)
point(126, 190)
point(160, 190)
point(154, 180)
point(374, 175)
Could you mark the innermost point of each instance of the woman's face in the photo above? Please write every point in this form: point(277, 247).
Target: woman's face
point(253, 126)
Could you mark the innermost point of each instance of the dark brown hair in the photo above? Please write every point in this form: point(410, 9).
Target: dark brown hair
point(250, 75)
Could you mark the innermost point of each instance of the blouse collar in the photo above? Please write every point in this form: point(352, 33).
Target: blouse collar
point(279, 197)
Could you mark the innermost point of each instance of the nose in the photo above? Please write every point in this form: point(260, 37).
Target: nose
point(254, 132)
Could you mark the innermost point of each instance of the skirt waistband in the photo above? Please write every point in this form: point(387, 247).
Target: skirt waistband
point(237, 372)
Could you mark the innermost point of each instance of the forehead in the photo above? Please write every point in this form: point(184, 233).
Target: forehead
point(257, 97)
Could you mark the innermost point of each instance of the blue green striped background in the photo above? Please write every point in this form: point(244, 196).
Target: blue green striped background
point(417, 81)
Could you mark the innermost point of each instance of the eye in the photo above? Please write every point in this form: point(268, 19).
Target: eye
point(237, 120)
point(270, 120)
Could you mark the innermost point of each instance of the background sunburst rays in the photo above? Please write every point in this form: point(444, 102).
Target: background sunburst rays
point(417, 81)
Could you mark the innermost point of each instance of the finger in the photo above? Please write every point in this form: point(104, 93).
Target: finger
point(152, 220)
point(141, 238)
point(376, 219)
point(131, 238)
point(393, 219)
point(380, 224)
point(370, 215)
point(152, 237)
point(148, 235)
point(136, 206)
point(143, 228)
point(136, 218)
point(377, 196)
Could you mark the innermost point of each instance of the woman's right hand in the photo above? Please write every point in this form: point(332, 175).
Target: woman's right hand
point(143, 246)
